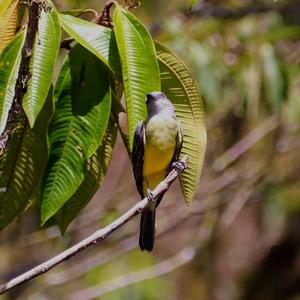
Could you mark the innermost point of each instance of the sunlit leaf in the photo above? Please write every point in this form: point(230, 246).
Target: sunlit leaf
point(22, 164)
point(182, 89)
point(96, 168)
point(8, 20)
point(139, 65)
point(44, 54)
point(4, 4)
point(98, 39)
point(78, 126)
point(10, 59)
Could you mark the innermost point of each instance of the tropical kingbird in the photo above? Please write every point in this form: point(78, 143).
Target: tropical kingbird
point(156, 147)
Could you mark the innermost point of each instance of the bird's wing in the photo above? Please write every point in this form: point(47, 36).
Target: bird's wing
point(179, 142)
point(138, 156)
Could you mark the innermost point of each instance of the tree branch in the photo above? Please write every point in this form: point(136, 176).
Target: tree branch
point(23, 74)
point(98, 236)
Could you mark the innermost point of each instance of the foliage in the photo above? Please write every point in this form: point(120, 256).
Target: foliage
point(8, 20)
point(101, 65)
point(243, 224)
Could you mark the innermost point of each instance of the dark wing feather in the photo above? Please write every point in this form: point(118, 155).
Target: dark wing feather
point(179, 142)
point(138, 156)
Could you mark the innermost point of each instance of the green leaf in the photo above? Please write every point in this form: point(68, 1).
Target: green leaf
point(45, 50)
point(96, 168)
point(181, 88)
point(78, 126)
point(139, 65)
point(97, 39)
point(22, 164)
point(10, 59)
point(8, 20)
point(4, 4)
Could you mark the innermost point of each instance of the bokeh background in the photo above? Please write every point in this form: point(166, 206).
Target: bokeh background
point(240, 239)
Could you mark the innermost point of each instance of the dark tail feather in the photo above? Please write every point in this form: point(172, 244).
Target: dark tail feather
point(147, 229)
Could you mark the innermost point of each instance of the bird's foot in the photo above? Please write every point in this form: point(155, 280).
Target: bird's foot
point(178, 165)
point(150, 196)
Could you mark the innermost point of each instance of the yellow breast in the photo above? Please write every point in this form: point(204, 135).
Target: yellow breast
point(159, 149)
point(156, 160)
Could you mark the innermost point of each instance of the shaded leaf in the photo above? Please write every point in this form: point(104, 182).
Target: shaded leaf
point(96, 168)
point(97, 39)
point(8, 21)
point(44, 54)
point(10, 59)
point(139, 65)
point(22, 164)
point(181, 88)
point(78, 126)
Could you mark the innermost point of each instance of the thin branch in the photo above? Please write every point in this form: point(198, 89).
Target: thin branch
point(24, 74)
point(98, 236)
point(164, 267)
point(206, 205)
point(104, 18)
point(183, 257)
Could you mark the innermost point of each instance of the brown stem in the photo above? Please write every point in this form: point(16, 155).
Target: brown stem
point(24, 73)
point(104, 18)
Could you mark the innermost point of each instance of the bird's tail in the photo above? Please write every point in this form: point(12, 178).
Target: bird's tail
point(147, 229)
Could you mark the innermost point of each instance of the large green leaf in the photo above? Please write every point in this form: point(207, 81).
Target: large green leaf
point(22, 164)
point(44, 54)
point(4, 4)
point(181, 88)
point(10, 59)
point(8, 20)
point(96, 168)
point(98, 39)
point(78, 126)
point(139, 65)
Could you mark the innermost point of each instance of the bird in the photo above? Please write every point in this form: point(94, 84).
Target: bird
point(157, 143)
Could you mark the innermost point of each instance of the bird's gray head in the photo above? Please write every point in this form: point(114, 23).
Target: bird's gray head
point(157, 101)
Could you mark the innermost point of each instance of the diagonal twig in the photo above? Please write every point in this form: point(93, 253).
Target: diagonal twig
point(98, 236)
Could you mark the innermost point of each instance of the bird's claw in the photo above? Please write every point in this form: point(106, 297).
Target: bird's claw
point(150, 196)
point(178, 165)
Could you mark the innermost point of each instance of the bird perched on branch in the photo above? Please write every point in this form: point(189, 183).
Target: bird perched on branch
point(156, 147)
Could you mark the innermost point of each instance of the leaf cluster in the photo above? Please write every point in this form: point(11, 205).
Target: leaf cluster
point(57, 140)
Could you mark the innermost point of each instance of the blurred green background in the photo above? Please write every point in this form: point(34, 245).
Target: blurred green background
point(240, 239)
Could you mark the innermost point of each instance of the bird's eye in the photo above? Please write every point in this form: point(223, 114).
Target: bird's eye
point(162, 95)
